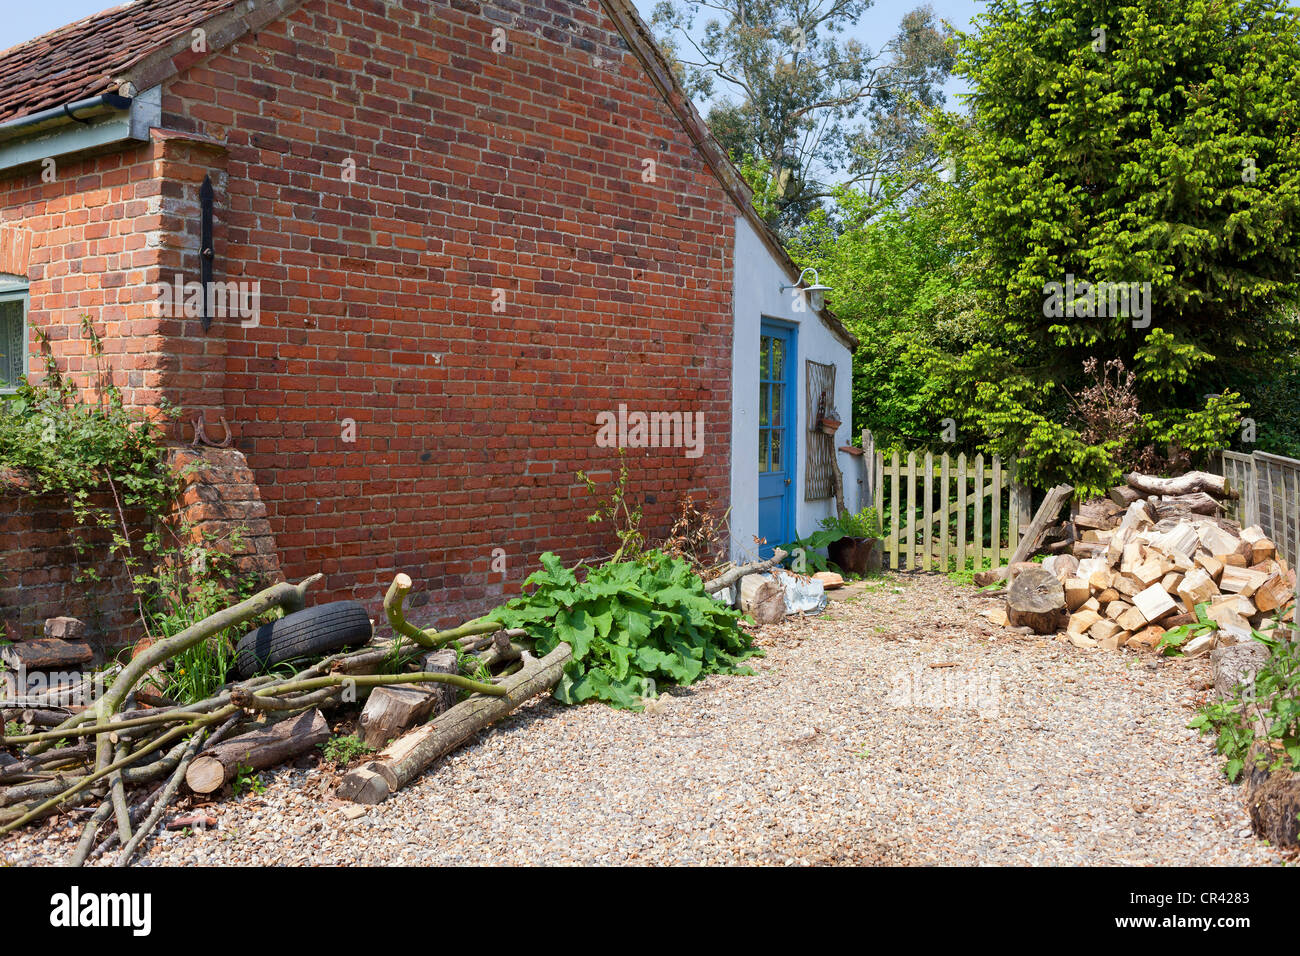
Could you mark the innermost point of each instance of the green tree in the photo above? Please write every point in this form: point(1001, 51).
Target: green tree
point(905, 289)
point(803, 104)
point(1150, 142)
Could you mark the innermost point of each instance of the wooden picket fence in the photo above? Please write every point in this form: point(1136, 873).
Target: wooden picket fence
point(939, 513)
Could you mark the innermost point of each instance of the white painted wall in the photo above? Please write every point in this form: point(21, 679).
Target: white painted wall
point(758, 276)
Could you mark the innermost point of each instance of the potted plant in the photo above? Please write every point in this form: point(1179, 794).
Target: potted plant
point(856, 546)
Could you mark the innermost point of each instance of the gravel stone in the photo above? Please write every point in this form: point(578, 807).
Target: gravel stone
point(897, 728)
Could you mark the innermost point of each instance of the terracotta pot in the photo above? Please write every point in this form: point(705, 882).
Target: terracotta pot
point(855, 555)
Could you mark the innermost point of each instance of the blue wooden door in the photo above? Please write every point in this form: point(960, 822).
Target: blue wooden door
point(776, 445)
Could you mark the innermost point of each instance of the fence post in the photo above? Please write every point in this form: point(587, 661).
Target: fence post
point(868, 468)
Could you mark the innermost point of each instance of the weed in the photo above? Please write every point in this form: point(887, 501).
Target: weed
point(342, 750)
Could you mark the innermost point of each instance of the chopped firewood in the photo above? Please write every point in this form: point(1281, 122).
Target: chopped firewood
point(1240, 580)
point(1171, 581)
point(1154, 603)
point(1114, 609)
point(1092, 604)
point(1076, 593)
point(1080, 621)
point(1132, 619)
point(1230, 559)
point(1103, 630)
point(1127, 585)
point(1196, 588)
point(1146, 639)
point(995, 615)
point(1215, 540)
point(1081, 640)
point(1210, 565)
point(1201, 645)
point(1274, 592)
point(1106, 596)
point(1097, 537)
point(1229, 620)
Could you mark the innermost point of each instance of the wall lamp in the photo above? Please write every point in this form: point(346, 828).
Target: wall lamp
point(816, 291)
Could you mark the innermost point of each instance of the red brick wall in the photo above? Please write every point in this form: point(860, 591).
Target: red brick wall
point(475, 171)
point(40, 564)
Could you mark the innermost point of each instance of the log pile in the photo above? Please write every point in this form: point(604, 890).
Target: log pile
point(1149, 555)
point(135, 760)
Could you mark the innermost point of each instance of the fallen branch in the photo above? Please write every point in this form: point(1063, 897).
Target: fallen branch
point(409, 755)
point(727, 579)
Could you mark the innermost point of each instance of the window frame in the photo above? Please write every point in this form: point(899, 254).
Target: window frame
point(17, 289)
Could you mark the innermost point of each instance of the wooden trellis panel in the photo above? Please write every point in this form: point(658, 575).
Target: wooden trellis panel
point(818, 470)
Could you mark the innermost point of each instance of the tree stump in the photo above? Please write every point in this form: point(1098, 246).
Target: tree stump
point(1036, 600)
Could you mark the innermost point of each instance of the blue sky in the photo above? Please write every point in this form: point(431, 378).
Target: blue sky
point(24, 20)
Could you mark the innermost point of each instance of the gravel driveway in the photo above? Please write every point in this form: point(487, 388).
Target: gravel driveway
point(898, 728)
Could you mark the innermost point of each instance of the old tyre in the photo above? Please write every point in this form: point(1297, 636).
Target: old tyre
point(309, 633)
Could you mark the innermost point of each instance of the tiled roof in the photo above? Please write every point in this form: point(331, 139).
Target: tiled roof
point(81, 60)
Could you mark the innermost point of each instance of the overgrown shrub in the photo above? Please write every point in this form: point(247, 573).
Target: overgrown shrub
point(633, 625)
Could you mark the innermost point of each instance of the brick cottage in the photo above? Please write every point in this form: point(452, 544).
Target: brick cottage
point(450, 241)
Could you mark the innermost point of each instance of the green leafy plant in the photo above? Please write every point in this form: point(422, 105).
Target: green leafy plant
point(246, 778)
point(632, 625)
point(342, 750)
point(13, 729)
point(1271, 702)
point(863, 524)
point(1176, 637)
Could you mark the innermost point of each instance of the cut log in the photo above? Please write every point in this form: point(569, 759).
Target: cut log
point(1062, 565)
point(1097, 514)
point(390, 711)
point(218, 765)
point(410, 755)
point(1187, 484)
point(763, 599)
point(1154, 603)
point(1036, 600)
point(45, 654)
point(1230, 622)
point(1123, 496)
point(1177, 506)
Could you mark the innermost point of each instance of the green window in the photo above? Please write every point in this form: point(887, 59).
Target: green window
point(13, 332)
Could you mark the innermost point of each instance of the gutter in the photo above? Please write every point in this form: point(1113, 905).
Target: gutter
point(81, 125)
